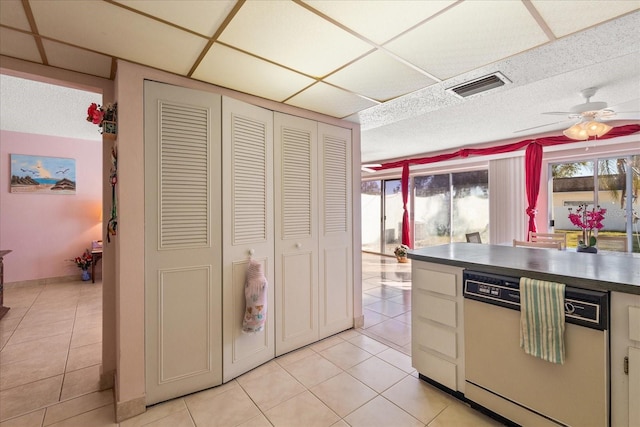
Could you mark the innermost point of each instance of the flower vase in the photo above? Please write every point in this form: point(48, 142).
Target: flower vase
point(85, 275)
point(587, 249)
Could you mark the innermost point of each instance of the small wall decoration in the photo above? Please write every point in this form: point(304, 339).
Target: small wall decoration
point(106, 117)
point(40, 174)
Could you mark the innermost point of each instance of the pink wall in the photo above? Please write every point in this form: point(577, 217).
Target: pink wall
point(45, 230)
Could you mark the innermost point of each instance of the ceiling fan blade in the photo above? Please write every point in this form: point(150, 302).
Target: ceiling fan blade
point(367, 167)
point(541, 126)
point(558, 113)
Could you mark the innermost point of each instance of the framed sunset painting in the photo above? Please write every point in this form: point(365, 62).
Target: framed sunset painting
point(40, 174)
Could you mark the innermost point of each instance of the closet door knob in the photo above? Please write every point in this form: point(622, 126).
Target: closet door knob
point(298, 245)
point(252, 251)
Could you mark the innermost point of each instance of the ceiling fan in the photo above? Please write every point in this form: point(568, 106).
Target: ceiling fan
point(590, 114)
point(368, 167)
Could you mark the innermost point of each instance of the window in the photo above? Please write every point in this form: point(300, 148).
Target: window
point(618, 185)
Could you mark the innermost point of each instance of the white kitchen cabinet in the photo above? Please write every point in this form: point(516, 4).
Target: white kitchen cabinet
point(625, 343)
point(313, 250)
point(437, 340)
point(247, 229)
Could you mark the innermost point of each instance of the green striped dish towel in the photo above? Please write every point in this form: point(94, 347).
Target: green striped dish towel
point(542, 319)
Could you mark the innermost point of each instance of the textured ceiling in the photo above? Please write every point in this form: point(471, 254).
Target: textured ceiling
point(384, 64)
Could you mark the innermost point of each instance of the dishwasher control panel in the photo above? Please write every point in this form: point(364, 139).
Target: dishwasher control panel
point(581, 306)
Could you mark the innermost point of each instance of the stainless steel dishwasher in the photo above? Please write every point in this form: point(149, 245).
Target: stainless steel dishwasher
point(525, 389)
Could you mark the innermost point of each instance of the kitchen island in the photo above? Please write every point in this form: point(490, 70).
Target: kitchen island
point(438, 328)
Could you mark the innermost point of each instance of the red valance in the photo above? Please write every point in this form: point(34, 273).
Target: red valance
point(506, 148)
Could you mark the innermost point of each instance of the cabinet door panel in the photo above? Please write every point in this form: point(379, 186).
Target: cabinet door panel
point(183, 323)
point(336, 265)
point(296, 228)
point(247, 229)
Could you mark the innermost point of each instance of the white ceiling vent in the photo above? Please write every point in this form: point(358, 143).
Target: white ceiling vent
point(479, 85)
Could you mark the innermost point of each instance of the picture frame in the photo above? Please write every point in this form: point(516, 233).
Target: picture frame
point(42, 175)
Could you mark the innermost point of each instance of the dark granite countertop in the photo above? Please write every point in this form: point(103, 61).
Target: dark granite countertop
point(603, 271)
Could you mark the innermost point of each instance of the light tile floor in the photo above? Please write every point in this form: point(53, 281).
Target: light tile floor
point(50, 355)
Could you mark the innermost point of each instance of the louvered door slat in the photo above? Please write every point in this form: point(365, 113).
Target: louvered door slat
point(184, 177)
point(296, 191)
point(249, 180)
point(335, 185)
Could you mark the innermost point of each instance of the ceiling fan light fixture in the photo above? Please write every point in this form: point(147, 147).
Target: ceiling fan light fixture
point(584, 130)
point(577, 132)
point(597, 128)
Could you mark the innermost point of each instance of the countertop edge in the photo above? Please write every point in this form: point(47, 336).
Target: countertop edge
point(582, 282)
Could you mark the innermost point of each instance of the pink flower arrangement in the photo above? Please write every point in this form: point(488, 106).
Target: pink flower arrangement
point(587, 220)
point(83, 262)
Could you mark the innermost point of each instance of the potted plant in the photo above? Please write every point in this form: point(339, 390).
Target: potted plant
point(84, 262)
point(587, 220)
point(401, 253)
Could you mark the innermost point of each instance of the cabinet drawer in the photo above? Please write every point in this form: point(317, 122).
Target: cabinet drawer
point(436, 338)
point(433, 308)
point(436, 368)
point(634, 323)
point(435, 281)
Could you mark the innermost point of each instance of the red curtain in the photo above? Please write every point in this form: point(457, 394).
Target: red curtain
point(404, 183)
point(533, 166)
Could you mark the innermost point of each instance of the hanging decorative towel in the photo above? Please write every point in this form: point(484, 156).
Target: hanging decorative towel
point(255, 291)
point(542, 319)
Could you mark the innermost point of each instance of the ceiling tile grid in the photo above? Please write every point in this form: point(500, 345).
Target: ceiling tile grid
point(230, 68)
point(381, 63)
point(102, 27)
point(65, 56)
point(379, 77)
point(202, 17)
point(468, 36)
point(381, 20)
point(19, 45)
point(12, 14)
point(292, 36)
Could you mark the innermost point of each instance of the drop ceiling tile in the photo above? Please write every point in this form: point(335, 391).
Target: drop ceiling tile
point(102, 27)
point(583, 13)
point(288, 34)
point(469, 35)
point(329, 100)
point(18, 45)
point(12, 14)
point(72, 58)
point(203, 17)
point(379, 21)
point(229, 68)
point(380, 77)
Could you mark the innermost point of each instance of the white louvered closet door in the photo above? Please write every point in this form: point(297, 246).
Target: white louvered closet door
point(183, 324)
point(247, 229)
point(335, 238)
point(296, 226)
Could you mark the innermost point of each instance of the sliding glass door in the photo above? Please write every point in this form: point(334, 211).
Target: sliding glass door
point(449, 206)
point(381, 215)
